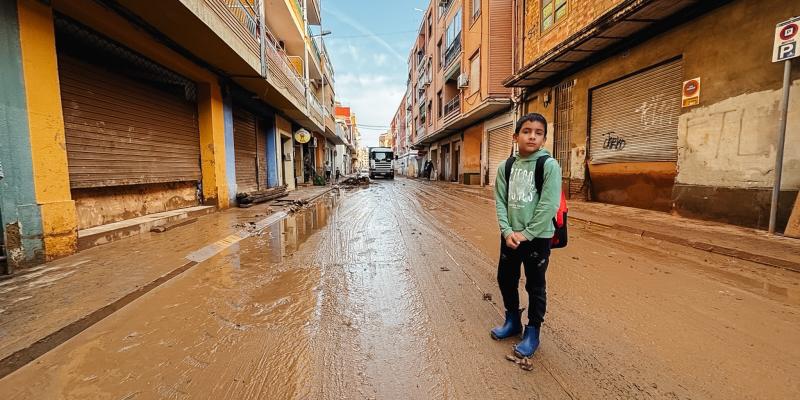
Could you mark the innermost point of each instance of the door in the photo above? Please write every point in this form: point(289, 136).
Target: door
point(562, 137)
point(500, 144)
point(456, 161)
point(245, 145)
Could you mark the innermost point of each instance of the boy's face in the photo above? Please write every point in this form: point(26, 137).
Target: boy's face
point(531, 137)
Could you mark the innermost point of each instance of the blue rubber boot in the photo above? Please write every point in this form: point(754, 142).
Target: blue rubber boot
point(512, 326)
point(529, 343)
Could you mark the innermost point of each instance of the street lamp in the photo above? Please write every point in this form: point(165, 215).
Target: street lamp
point(323, 33)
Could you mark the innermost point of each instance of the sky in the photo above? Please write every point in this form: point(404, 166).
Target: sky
point(369, 46)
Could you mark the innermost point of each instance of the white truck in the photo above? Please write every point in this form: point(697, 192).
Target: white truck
point(381, 162)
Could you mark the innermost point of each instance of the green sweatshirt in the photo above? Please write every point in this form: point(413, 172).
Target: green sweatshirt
point(525, 211)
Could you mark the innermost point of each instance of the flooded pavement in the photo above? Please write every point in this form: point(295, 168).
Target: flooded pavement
point(388, 292)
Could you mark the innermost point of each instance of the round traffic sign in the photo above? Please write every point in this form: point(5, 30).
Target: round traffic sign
point(690, 87)
point(789, 31)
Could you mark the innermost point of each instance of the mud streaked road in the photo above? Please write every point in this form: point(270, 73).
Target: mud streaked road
point(379, 293)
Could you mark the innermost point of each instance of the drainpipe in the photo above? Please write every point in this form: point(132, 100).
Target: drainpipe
point(305, 53)
point(262, 29)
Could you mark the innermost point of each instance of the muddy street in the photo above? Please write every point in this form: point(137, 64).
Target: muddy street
point(388, 292)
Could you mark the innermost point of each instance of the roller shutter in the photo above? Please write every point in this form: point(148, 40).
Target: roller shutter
point(125, 130)
point(636, 119)
point(500, 142)
point(245, 144)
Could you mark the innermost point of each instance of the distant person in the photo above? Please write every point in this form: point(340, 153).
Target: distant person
point(327, 171)
point(338, 174)
point(525, 219)
point(428, 169)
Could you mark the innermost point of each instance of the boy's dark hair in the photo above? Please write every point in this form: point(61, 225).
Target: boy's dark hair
point(532, 117)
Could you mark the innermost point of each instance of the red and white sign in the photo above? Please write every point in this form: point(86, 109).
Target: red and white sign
point(690, 95)
point(786, 46)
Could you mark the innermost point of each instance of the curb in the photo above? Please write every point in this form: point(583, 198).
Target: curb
point(711, 248)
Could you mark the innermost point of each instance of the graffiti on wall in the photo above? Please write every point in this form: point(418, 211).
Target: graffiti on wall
point(613, 141)
point(656, 112)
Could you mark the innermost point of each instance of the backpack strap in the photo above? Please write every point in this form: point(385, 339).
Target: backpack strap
point(539, 173)
point(509, 164)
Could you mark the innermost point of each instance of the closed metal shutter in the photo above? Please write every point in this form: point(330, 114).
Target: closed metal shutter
point(261, 153)
point(125, 131)
point(636, 119)
point(245, 146)
point(500, 143)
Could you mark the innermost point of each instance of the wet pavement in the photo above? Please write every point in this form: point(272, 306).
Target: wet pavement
point(388, 292)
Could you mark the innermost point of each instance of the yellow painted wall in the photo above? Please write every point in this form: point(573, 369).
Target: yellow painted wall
point(210, 106)
point(212, 144)
point(46, 127)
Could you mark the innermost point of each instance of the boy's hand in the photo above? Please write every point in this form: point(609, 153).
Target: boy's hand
point(513, 240)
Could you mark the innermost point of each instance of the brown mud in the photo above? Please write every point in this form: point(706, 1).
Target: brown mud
point(388, 292)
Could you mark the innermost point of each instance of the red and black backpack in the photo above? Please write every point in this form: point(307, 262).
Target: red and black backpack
point(559, 239)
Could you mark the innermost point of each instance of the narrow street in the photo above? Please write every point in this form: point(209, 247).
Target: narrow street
point(388, 292)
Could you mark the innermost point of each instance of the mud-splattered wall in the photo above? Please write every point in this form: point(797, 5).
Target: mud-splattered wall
point(19, 212)
point(726, 144)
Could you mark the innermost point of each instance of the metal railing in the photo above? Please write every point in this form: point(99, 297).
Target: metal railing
point(452, 52)
point(452, 106)
point(283, 71)
point(242, 17)
point(315, 107)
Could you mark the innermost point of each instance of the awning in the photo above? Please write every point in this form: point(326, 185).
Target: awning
point(630, 23)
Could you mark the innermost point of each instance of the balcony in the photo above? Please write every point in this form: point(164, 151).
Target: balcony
point(283, 72)
point(242, 17)
point(452, 107)
point(452, 53)
point(315, 108)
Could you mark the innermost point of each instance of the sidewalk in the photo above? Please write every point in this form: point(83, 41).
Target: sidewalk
point(734, 241)
point(46, 305)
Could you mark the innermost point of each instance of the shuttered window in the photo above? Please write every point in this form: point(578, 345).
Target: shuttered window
point(500, 145)
point(636, 118)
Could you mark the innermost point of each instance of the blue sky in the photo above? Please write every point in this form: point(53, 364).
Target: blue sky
point(369, 47)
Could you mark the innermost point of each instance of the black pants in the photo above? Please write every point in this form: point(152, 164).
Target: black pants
point(535, 256)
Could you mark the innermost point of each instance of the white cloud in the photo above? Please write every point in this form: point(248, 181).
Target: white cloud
point(374, 99)
point(379, 59)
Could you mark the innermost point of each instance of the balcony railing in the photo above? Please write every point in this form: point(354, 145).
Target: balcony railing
point(242, 17)
point(315, 107)
point(452, 106)
point(452, 52)
point(284, 73)
point(314, 46)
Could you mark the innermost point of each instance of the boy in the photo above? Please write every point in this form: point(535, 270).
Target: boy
point(525, 219)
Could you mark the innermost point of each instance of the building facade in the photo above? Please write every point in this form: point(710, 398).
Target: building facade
point(663, 105)
point(456, 102)
point(117, 109)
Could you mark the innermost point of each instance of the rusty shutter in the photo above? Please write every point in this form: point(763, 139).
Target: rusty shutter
point(636, 119)
point(124, 131)
point(245, 144)
point(500, 143)
point(500, 44)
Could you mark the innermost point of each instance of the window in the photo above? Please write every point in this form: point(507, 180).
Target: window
point(440, 53)
point(476, 9)
point(430, 110)
point(552, 12)
point(440, 102)
point(430, 26)
point(453, 29)
point(475, 74)
point(444, 6)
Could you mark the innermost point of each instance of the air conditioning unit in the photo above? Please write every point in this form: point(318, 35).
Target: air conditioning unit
point(463, 81)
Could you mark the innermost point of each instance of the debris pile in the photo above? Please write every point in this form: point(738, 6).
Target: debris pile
point(247, 200)
point(355, 181)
